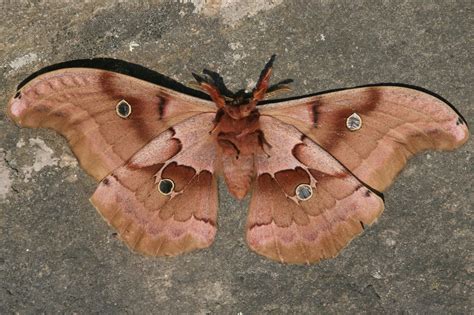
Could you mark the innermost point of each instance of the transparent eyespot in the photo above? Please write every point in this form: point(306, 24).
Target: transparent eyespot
point(123, 109)
point(166, 186)
point(304, 192)
point(354, 122)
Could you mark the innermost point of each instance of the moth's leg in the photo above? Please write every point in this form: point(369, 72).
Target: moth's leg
point(262, 141)
point(251, 122)
point(220, 113)
point(227, 144)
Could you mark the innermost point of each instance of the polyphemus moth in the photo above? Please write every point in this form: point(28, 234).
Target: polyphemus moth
point(315, 166)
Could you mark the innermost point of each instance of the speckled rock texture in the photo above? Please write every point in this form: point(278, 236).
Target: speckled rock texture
point(58, 256)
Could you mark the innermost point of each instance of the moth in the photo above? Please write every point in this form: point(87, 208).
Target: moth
point(315, 166)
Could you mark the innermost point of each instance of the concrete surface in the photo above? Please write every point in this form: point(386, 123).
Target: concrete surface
point(58, 256)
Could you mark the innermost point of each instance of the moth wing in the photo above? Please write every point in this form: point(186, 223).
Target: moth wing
point(283, 227)
point(165, 222)
point(396, 123)
point(80, 103)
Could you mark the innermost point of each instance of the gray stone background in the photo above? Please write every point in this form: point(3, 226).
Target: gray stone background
point(58, 255)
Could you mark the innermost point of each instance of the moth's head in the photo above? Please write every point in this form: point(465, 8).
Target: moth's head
point(242, 103)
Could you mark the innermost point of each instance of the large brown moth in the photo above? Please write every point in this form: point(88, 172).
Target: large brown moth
point(315, 166)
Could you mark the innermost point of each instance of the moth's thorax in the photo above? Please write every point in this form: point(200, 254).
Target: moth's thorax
point(238, 136)
point(230, 124)
point(239, 111)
